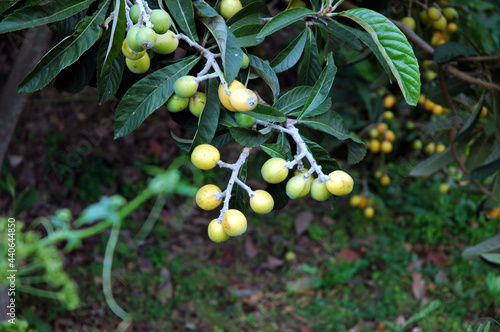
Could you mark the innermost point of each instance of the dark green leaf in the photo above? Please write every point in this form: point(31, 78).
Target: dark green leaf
point(489, 246)
point(309, 66)
point(264, 70)
point(471, 121)
point(290, 55)
point(322, 108)
point(394, 47)
point(209, 117)
point(322, 157)
point(231, 53)
point(74, 78)
point(65, 53)
point(251, 14)
point(238, 201)
point(321, 89)
point(332, 123)
point(490, 166)
point(451, 50)
point(433, 163)
point(278, 191)
point(11, 185)
point(368, 41)
point(8, 7)
point(182, 143)
point(147, 95)
point(284, 19)
point(227, 120)
point(276, 150)
point(341, 32)
point(491, 258)
point(293, 99)
point(39, 15)
point(111, 48)
point(25, 200)
point(267, 113)
point(246, 35)
point(109, 82)
point(248, 137)
point(183, 13)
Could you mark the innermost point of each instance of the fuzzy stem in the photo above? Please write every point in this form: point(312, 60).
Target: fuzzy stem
point(233, 179)
point(209, 56)
point(144, 17)
point(302, 151)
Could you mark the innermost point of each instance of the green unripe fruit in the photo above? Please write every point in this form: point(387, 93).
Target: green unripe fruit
point(132, 39)
point(206, 197)
point(450, 13)
point(290, 256)
point(131, 54)
point(216, 232)
point(146, 38)
point(373, 133)
point(433, 13)
point(186, 86)
point(205, 156)
point(417, 145)
point(234, 222)
point(161, 20)
point(424, 17)
point(244, 120)
point(273, 170)
point(319, 191)
point(430, 148)
point(246, 61)
point(409, 21)
point(298, 187)
point(430, 75)
point(139, 66)
point(166, 43)
point(440, 24)
point(410, 125)
point(340, 183)
point(176, 103)
point(444, 188)
point(262, 202)
point(230, 7)
point(197, 103)
point(134, 13)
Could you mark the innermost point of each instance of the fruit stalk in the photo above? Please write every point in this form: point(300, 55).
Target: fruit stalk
point(235, 168)
point(211, 62)
point(302, 150)
point(144, 17)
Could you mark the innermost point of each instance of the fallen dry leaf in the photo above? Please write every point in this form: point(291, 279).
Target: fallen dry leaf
point(436, 257)
point(302, 222)
point(273, 262)
point(250, 249)
point(155, 147)
point(418, 285)
point(349, 255)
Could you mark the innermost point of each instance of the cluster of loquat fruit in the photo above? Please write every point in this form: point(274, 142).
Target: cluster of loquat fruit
point(431, 106)
point(440, 20)
point(141, 38)
point(160, 39)
point(367, 204)
point(274, 170)
point(381, 137)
